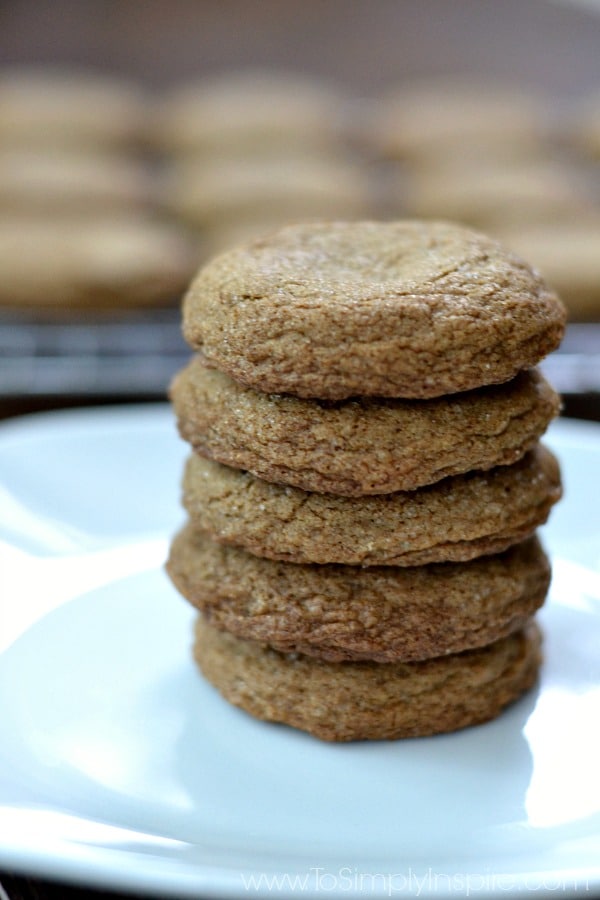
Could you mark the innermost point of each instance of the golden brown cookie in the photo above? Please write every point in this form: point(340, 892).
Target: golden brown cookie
point(57, 107)
point(221, 192)
point(360, 446)
point(430, 118)
point(369, 701)
point(390, 309)
point(109, 262)
point(456, 519)
point(248, 112)
point(584, 126)
point(65, 182)
point(568, 254)
point(487, 197)
point(381, 613)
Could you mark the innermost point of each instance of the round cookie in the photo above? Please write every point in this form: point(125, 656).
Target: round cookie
point(390, 309)
point(360, 446)
point(456, 519)
point(44, 107)
point(249, 112)
point(66, 182)
point(369, 701)
point(381, 613)
point(568, 254)
point(584, 127)
point(277, 190)
point(82, 262)
point(487, 197)
point(429, 119)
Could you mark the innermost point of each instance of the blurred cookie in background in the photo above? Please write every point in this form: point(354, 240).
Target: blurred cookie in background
point(489, 197)
point(430, 119)
point(80, 223)
point(243, 198)
point(568, 255)
point(74, 108)
point(249, 111)
point(224, 236)
point(115, 263)
point(584, 127)
point(64, 181)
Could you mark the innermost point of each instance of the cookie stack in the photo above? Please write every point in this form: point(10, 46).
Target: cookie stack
point(367, 476)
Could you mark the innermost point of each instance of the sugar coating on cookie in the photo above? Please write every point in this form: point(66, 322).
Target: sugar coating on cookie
point(361, 446)
point(391, 309)
point(456, 519)
point(384, 613)
point(369, 701)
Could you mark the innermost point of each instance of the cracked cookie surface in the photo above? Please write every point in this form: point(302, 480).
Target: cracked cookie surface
point(369, 701)
point(458, 518)
point(381, 613)
point(389, 309)
point(359, 446)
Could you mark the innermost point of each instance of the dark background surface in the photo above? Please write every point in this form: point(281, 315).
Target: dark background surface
point(363, 43)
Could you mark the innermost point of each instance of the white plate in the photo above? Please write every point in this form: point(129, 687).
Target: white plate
point(120, 767)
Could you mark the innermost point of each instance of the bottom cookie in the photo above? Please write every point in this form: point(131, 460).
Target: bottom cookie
point(369, 701)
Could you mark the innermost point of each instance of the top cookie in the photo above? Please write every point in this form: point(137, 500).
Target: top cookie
point(390, 309)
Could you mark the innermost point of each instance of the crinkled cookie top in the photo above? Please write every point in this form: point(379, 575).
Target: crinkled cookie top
point(392, 309)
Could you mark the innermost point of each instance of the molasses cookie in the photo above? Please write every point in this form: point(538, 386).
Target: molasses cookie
point(221, 192)
point(584, 127)
point(383, 613)
point(248, 112)
point(49, 107)
point(369, 701)
point(456, 519)
point(430, 119)
point(487, 197)
point(112, 261)
point(66, 182)
point(359, 446)
point(568, 253)
point(389, 309)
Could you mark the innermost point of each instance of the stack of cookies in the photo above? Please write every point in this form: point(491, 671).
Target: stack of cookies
point(367, 476)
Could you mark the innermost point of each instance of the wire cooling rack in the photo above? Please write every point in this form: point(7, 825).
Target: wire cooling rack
point(125, 356)
point(138, 354)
